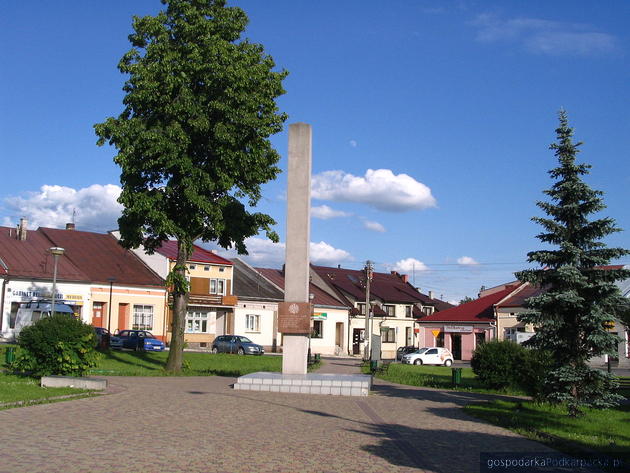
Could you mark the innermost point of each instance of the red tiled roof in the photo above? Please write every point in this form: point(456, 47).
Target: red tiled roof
point(31, 258)
point(518, 298)
point(479, 310)
point(321, 298)
point(100, 257)
point(385, 286)
point(199, 255)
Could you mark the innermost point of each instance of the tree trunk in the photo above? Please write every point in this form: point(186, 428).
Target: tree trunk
point(180, 305)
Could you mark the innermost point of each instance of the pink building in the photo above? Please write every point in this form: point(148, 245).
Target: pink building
point(462, 328)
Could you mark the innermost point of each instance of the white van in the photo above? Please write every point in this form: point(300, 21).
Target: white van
point(31, 312)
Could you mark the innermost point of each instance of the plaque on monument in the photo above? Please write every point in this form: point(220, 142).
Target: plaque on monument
point(294, 317)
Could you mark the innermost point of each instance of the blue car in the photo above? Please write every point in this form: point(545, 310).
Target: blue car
point(139, 340)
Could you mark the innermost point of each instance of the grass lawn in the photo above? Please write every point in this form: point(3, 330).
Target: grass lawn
point(604, 431)
point(435, 377)
point(19, 388)
point(128, 363)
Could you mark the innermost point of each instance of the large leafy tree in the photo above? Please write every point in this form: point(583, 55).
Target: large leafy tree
point(580, 296)
point(193, 138)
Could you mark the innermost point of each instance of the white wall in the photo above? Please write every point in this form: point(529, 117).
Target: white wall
point(265, 311)
point(326, 345)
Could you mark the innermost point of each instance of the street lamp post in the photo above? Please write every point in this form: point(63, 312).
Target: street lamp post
point(56, 252)
point(109, 315)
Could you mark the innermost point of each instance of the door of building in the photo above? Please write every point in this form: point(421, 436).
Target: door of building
point(356, 341)
point(408, 339)
point(456, 345)
point(97, 314)
point(339, 334)
point(123, 316)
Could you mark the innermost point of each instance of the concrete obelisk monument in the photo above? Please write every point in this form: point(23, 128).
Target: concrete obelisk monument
point(294, 315)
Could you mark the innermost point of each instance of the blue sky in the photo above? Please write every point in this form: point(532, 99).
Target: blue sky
point(431, 122)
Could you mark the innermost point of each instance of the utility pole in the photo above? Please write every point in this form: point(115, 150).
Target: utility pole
point(368, 327)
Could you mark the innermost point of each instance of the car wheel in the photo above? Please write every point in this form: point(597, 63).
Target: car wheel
point(448, 363)
point(215, 350)
point(241, 351)
point(417, 362)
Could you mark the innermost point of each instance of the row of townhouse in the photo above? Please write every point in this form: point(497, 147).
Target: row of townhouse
point(494, 315)
point(115, 288)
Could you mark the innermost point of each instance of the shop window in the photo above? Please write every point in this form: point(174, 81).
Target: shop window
point(439, 340)
point(318, 329)
point(142, 317)
point(252, 323)
point(196, 322)
point(388, 335)
point(14, 309)
point(480, 338)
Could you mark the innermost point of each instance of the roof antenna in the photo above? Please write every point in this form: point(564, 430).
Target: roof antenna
point(74, 216)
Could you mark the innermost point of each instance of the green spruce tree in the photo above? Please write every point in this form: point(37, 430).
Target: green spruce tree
point(579, 297)
point(193, 138)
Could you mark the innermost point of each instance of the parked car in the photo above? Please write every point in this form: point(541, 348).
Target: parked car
point(403, 351)
point(102, 337)
point(429, 356)
point(236, 344)
point(136, 340)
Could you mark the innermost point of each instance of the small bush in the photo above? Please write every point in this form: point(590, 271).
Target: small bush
point(495, 362)
point(59, 345)
point(503, 364)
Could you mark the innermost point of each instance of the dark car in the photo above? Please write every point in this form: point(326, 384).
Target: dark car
point(136, 340)
point(102, 337)
point(402, 351)
point(236, 344)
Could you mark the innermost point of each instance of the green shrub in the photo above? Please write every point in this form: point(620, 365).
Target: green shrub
point(495, 363)
point(532, 370)
point(58, 345)
point(503, 364)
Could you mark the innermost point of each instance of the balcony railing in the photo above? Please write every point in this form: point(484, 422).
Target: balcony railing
point(208, 299)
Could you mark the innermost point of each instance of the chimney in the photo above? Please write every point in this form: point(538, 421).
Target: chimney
point(430, 294)
point(70, 226)
point(21, 229)
point(405, 278)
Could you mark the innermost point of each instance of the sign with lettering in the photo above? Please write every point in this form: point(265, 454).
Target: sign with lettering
point(294, 317)
point(320, 316)
point(458, 328)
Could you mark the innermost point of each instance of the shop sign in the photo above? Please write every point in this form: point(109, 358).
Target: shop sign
point(458, 328)
point(320, 315)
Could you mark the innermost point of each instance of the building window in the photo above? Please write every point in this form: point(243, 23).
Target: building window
point(427, 310)
point(388, 335)
point(142, 317)
point(408, 311)
point(361, 307)
point(206, 268)
point(252, 323)
point(221, 270)
point(318, 329)
point(390, 310)
point(196, 322)
point(217, 286)
point(480, 338)
point(192, 266)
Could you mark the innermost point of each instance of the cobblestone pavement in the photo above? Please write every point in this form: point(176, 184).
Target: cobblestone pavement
point(200, 424)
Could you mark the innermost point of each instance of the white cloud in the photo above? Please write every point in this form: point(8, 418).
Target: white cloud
point(324, 212)
point(52, 206)
point(265, 253)
point(325, 254)
point(544, 36)
point(380, 188)
point(353, 143)
point(374, 226)
point(466, 261)
point(409, 265)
